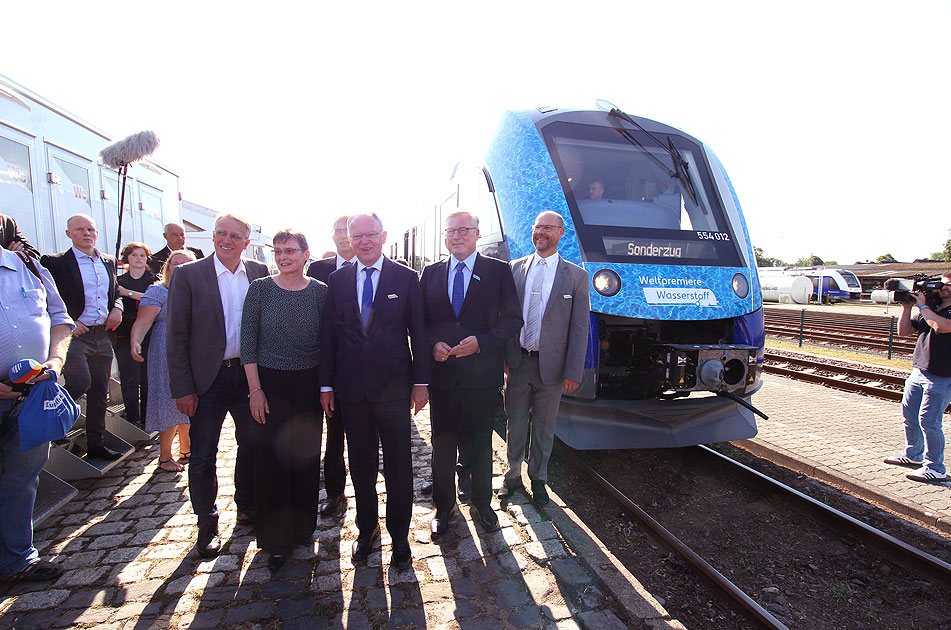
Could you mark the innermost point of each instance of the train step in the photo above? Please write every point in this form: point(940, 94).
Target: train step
point(66, 463)
point(52, 494)
point(129, 431)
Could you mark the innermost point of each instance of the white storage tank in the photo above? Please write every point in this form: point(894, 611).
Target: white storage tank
point(786, 289)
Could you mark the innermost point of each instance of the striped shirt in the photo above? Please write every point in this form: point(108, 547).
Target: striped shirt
point(29, 308)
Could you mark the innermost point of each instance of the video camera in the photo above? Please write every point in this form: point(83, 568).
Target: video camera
point(903, 288)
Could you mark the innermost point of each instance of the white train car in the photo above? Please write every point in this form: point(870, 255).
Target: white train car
point(828, 285)
point(49, 172)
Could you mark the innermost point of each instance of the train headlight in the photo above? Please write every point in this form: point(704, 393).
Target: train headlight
point(741, 286)
point(607, 282)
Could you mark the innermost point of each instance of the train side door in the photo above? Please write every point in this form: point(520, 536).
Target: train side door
point(17, 185)
point(70, 181)
point(110, 193)
point(152, 213)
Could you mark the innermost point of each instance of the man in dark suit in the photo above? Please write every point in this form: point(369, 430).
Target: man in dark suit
point(547, 359)
point(175, 240)
point(12, 240)
point(203, 342)
point(86, 280)
point(335, 471)
point(372, 316)
point(472, 310)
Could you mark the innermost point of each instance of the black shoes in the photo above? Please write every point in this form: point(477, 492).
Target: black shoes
point(245, 518)
point(209, 544)
point(539, 493)
point(440, 524)
point(102, 452)
point(427, 488)
point(37, 571)
point(488, 518)
point(363, 545)
point(465, 488)
point(402, 556)
point(332, 504)
point(276, 561)
point(509, 489)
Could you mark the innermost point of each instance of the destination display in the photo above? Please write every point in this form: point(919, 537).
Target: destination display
point(659, 248)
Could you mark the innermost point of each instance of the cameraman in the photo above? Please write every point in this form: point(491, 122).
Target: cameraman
point(33, 325)
point(928, 388)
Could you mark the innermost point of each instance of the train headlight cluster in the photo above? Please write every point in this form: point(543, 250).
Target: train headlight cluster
point(607, 282)
point(741, 286)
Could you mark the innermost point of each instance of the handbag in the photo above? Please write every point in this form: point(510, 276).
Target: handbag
point(47, 413)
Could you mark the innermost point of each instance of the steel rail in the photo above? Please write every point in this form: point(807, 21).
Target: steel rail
point(857, 372)
point(816, 335)
point(706, 570)
point(829, 381)
point(896, 550)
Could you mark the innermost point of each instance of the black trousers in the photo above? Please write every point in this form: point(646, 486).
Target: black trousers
point(86, 371)
point(335, 471)
point(462, 414)
point(287, 459)
point(368, 425)
point(133, 376)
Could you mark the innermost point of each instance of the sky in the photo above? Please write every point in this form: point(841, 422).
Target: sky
point(831, 118)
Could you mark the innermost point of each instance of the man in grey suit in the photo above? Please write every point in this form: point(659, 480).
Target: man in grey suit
point(205, 303)
point(547, 360)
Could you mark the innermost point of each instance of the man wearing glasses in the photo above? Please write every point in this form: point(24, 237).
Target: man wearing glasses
point(472, 311)
point(547, 359)
point(928, 387)
point(372, 319)
point(205, 304)
point(335, 471)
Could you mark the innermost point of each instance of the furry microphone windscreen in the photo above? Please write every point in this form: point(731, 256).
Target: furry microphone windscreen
point(128, 150)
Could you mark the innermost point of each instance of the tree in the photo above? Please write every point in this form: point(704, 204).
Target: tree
point(886, 258)
point(811, 261)
point(762, 260)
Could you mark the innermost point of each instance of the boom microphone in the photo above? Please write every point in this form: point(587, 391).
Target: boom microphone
point(119, 155)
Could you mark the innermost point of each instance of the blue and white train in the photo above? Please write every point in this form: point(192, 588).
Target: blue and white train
point(675, 344)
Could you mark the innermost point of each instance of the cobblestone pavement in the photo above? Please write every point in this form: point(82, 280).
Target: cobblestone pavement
point(126, 544)
point(842, 438)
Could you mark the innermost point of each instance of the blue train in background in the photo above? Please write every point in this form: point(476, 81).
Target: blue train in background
point(675, 343)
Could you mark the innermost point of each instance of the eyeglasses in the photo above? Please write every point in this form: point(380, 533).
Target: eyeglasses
point(460, 231)
point(547, 229)
point(365, 235)
point(287, 252)
point(340, 231)
point(234, 236)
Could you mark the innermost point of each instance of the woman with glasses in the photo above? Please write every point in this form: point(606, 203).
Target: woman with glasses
point(280, 350)
point(161, 413)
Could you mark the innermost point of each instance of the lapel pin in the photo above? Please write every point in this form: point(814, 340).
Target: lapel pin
point(392, 296)
point(475, 277)
point(566, 296)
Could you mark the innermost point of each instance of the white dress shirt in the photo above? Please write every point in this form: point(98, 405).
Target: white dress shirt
point(361, 278)
point(95, 288)
point(233, 288)
point(551, 266)
point(466, 273)
point(341, 260)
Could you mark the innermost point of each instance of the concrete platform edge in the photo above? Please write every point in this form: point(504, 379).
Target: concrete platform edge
point(636, 601)
point(806, 466)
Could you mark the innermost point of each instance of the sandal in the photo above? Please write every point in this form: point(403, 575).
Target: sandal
point(36, 571)
point(170, 465)
point(183, 457)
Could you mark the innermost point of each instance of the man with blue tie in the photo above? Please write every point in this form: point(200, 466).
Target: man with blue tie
point(472, 311)
point(374, 358)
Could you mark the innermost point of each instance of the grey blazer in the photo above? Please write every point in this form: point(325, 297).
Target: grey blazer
point(564, 336)
point(195, 337)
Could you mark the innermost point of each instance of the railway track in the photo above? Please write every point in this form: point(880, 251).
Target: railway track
point(867, 382)
point(888, 546)
point(866, 331)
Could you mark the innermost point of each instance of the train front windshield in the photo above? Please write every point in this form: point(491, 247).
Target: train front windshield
point(630, 205)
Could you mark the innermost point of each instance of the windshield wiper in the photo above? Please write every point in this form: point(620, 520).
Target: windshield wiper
point(681, 167)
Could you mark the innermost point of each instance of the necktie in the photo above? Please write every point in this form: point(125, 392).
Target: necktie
point(458, 289)
point(534, 307)
point(366, 303)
